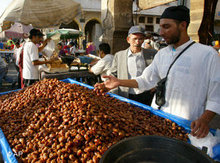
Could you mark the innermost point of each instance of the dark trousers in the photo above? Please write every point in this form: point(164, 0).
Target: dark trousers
point(28, 82)
point(144, 98)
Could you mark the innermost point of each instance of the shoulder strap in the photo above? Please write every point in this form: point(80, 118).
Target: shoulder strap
point(179, 56)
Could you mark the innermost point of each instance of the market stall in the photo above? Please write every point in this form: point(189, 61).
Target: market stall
point(66, 33)
point(64, 68)
point(87, 122)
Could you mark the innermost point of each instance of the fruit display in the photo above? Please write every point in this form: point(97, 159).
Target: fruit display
point(52, 121)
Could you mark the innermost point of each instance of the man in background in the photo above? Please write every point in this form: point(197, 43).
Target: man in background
point(104, 64)
point(130, 63)
point(31, 58)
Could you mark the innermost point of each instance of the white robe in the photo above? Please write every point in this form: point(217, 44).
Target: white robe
point(193, 84)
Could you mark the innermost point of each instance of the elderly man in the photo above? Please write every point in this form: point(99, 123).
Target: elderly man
point(130, 63)
point(192, 87)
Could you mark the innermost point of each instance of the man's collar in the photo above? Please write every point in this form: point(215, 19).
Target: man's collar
point(130, 53)
point(180, 48)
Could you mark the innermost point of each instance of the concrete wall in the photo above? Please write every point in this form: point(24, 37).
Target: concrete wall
point(97, 35)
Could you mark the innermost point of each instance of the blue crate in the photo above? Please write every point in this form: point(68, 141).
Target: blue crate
point(9, 156)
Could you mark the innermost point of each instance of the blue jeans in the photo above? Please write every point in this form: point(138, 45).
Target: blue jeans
point(3, 75)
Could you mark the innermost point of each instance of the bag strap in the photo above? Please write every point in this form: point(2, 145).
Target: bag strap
point(179, 56)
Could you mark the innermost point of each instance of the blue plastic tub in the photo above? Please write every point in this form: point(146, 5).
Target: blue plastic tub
point(9, 156)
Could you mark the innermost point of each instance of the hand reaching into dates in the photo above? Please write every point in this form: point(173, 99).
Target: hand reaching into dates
point(100, 89)
point(111, 83)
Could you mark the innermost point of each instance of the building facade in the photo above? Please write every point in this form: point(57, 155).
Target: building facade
point(89, 21)
point(149, 19)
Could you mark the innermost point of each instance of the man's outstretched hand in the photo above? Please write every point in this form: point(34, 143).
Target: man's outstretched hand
point(111, 83)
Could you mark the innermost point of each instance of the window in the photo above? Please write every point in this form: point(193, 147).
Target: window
point(149, 28)
point(141, 19)
point(150, 19)
point(157, 20)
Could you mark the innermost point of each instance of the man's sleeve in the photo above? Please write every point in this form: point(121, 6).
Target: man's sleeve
point(34, 53)
point(98, 67)
point(113, 70)
point(213, 96)
point(150, 76)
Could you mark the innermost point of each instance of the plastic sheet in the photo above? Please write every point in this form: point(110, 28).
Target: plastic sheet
point(216, 152)
point(9, 156)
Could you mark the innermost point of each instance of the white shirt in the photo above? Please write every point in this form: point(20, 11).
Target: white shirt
point(49, 49)
point(136, 66)
point(193, 84)
point(103, 65)
point(30, 54)
point(17, 53)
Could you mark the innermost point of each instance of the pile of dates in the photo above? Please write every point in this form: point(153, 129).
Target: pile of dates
point(52, 121)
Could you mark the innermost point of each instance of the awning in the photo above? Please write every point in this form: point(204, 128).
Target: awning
point(40, 13)
point(147, 4)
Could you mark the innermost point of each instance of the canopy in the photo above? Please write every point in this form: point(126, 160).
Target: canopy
point(17, 30)
point(40, 13)
point(66, 33)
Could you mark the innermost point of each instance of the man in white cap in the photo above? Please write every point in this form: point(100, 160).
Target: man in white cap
point(187, 72)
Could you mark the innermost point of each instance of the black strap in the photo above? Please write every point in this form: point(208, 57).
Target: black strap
point(162, 82)
point(178, 57)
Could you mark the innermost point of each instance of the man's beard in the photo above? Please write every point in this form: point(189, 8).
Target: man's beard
point(175, 38)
